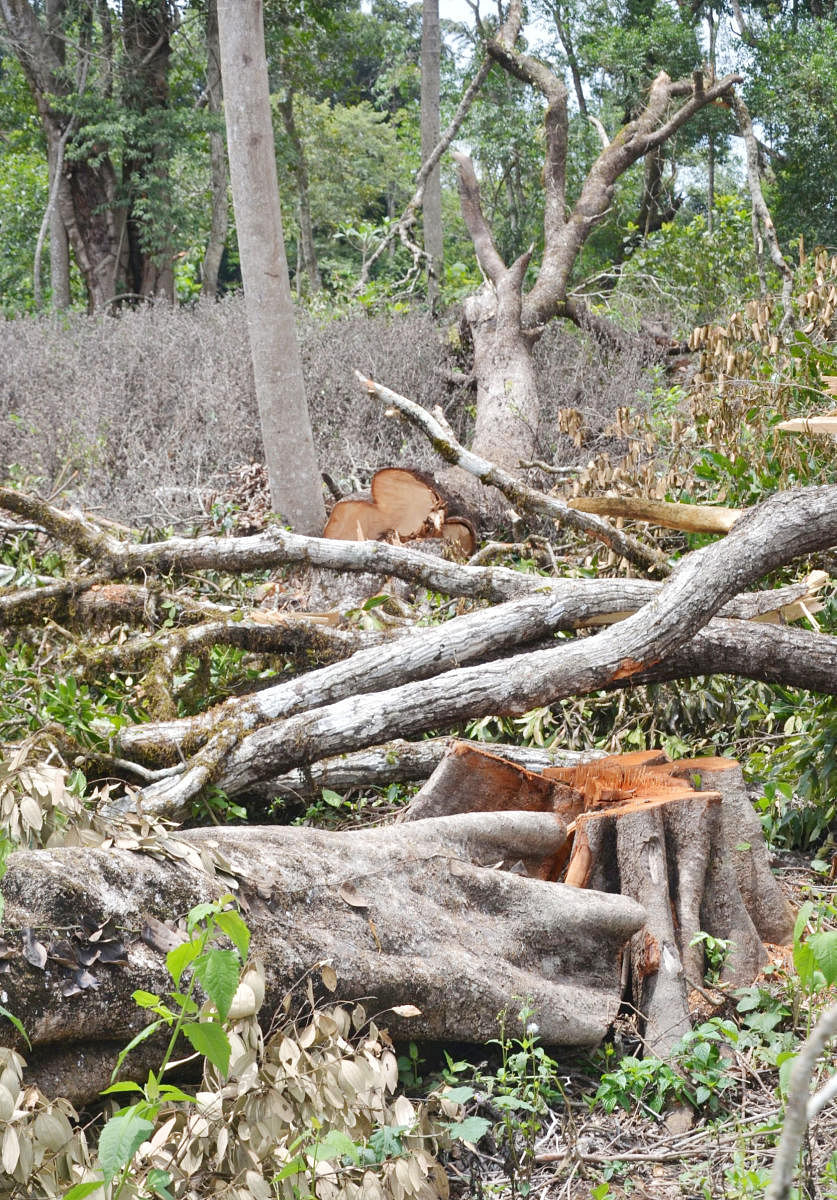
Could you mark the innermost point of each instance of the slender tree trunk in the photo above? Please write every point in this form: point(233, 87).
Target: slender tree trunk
point(217, 159)
point(295, 487)
point(59, 251)
point(59, 246)
point(308, 251)
point(431, 49)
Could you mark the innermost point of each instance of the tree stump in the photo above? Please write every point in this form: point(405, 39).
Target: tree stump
point(680, 838)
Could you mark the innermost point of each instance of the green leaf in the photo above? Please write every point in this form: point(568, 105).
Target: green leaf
point(218, 971)
point(802, 920)
point(335, 1144)
point(199, 913)
point(209, 1039)
point(332, 798)
point(120, 1139)
point(135, 1041)
point(295, 1167)
point(178, 959)
point(458, 1095)
point(236, 930)
point(169, 1092)
point(374, 602)
point(18, 1024)
point(84, 1189)
point(785, 1063)
point(157, 1181)
point(144, 999)
point(805, 963)
point(824, 949)
point(123, 1086)
point(470, 1130)
point(184, 1002)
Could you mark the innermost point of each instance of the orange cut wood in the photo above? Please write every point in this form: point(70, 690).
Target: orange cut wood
point(400, 502)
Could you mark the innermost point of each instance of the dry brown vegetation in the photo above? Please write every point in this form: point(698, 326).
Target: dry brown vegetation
point(144, 416)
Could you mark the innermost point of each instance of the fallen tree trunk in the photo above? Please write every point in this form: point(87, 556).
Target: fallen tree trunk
point(776, 531)
point(419, 914)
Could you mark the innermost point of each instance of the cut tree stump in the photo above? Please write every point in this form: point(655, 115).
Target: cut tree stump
point(404, 503)
point(449, 915)
point(680, 838)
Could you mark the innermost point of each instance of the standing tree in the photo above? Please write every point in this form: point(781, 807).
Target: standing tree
point(505, 321)
point(99, 80)
point(431, 50)
point(217, 159)
point(295, 488)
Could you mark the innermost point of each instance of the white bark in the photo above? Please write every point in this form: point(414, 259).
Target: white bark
point(295, 486)
point(431, 49)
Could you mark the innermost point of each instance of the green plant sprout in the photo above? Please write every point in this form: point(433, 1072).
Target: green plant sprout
point(217, 971)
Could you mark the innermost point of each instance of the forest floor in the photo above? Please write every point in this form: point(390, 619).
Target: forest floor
point(721, 1149)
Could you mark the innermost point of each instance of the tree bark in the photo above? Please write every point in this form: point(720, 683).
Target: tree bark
point(431, 51)
point(295, 487)
point(217, 159)
point(308, 251)
point(418, 915)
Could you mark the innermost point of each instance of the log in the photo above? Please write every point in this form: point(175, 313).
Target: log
point(401, 502)
point(422, 914)
point(691, 518)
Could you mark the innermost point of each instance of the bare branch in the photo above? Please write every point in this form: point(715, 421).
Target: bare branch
point(488, 256)
point(796, 1110)
point(519, 493)
point(761, 213)
point(650, 129)
point(407, 219)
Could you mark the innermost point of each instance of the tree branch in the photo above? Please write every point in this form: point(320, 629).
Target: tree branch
point(796, 1110)
point(408, 218)
point(446, 445)
point(784, 526)
point(761, 213)
point(487, 254)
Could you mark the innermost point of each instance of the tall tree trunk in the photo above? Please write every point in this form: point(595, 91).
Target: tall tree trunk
point(295, 488)
point(87, 195)
point(59, 246)
point(59, 251)
point(431, 50)
point(146, 28)
point(217, 159)
point(308, 251)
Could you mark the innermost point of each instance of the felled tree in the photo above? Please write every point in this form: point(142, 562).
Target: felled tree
point(504, 321)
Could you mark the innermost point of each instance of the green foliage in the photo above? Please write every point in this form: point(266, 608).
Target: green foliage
point(217, 972)
point(689, 272)
point(799, 120)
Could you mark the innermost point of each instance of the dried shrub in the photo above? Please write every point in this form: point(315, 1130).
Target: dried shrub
point(145, 415)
